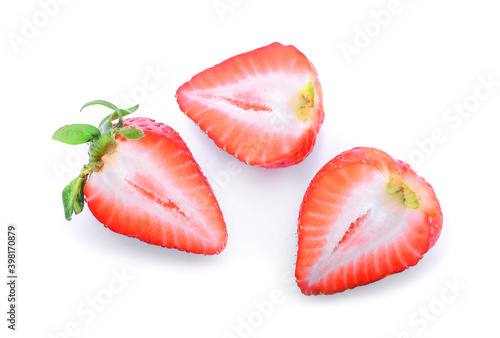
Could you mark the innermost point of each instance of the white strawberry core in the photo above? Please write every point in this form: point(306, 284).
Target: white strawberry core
point(382, 219)
point(139, 183)
point(268, 102)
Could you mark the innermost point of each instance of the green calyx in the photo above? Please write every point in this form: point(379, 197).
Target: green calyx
point(101, 140)
point(396, 187)
point(306, 101)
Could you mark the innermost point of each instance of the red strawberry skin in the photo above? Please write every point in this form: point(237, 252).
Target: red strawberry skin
point(265, 106)
point(152, 189)
point(364, 216)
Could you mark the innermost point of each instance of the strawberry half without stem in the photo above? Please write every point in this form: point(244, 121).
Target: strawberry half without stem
point(142, 181)
point(363, 217)
point(264, 107)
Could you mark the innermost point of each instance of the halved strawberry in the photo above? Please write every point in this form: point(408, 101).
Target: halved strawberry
point(364, 216)
point(142, 181)
point(265, 106)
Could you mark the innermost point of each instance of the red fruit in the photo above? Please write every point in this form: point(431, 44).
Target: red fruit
point(151, 188)
point(264, 107)
point(364, 216)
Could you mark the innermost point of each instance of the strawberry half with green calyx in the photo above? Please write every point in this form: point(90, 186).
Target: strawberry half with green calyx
point(142, 181)
point(363, 217)
point(101, 141)
point(264, 107)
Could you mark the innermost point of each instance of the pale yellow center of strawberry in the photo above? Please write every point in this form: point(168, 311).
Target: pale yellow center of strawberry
point(305, 102)
point(396, 187)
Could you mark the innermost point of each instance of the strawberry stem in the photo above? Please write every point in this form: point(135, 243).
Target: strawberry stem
point(106, 144)
point(101, 141)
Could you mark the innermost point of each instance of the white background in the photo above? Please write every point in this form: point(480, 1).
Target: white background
point(405, 80)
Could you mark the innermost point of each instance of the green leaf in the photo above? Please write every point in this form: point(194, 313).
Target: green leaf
point(76, 133)
point(105, 120)
point(106, 124)
point(118, 112)
point(101, 102)
point(79, 199)
point(132, 109)
point(73, 194)
point(131, 133)
point(114, 116)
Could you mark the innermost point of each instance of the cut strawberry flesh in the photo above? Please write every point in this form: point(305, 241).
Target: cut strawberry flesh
point(152, 189)
point(253, 105)
point(353, 232)
point(236, 118)
point(366, 220)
